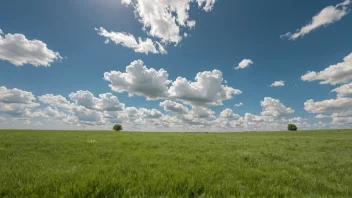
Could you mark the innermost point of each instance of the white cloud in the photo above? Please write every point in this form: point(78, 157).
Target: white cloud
point(248, 117)
point(325, 17)
point(150, 113)
point(334, 74)
point(136, 117)
point(273, 107)
point(244, 64)
point(344, 91)
point(343, 117)
point(18, 50)
point(162, 50)
point(131, 112)
point(279, 83)
point(191, 24)
point(174, 107)
point(344, 113)
point(202, 112)
point(17, 109)
point(128, 40)
point(342, 120)
point(206, 90)
point(139, 80)
point(229, 114)
point(109, 102)
point(87, 110)
point(105, 102)
point(55, 100)
point(164, 19)
point(84, 110)
point(208, 4)
point(239, 104)
point(251, 122)
point(332, 105)
point(88, 116)
point(84, 98)
point(16, 102)
point(339, 109)
point(321, 116)
point(49, 112)
point(296, 119)
point(15, 96)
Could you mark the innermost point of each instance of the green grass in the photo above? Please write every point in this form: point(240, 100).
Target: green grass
point(111, 164)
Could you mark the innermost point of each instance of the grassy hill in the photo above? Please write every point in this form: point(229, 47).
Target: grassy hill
point(125, 164)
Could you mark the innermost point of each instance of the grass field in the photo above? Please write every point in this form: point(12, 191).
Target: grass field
point(111, 164)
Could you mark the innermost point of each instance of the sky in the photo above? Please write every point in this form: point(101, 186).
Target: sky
point(179, 65)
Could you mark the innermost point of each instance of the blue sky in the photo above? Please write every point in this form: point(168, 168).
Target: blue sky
point(76, 57)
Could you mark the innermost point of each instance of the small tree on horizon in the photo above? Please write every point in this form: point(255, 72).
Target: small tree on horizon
point(292, 127)
point(117, 127)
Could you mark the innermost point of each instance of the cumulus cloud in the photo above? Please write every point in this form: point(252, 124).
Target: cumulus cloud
point(88, 116)
point(16, 102)
point(344, 91)
point(344, 113)
point(150, 113)
point(229, 114)
point(332, 105)
point(334, 74)
point(128, 40)
point(239, 104)
point(244, 64)
point(339, 109)
point(17, 109)
point(202, 112)
point(267, 122)
point(325, 17)
point(342, 120)
point(279, 83)
point(296, 119)
point(109, 102)
point(85, 110)
point(15, 96)
point(321, 116)
point(141, 116)
point(174, 107)
point(139, 80)
point(248, 117)
point(273, 107)
point(55, 100)
point(18, 50)
point(85, 99)
point(105, 102)
point(49, 112)
point(207, 89)
point(164, 19)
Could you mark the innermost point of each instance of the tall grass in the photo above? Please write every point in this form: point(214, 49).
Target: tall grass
point(111, 164)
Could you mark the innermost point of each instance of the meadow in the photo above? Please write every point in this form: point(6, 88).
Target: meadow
point(131, 164)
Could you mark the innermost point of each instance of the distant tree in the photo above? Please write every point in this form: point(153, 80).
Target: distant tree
point(292, 127)
point(117, 127)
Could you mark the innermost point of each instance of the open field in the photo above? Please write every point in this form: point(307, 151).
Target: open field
point(111, 164)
